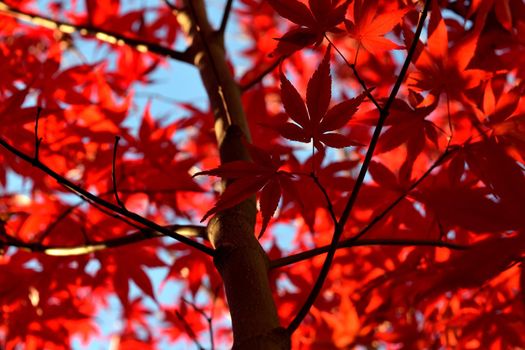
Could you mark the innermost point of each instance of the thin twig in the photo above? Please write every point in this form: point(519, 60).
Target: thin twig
point(196, 308)
point(449, 118)
point(357, 54)
point(38, 140)
point(210, 321)
point(171, 6)
point(52, 225)
point(113, 174)
point(225, 16)
point(208, 318)
point(83, 231)
point(329, 205)
point(353, 241)
point(87, 240)
point(352, 66)
point(247, 86)
point(189, 330)
point(339, 227)
point(84, 194)
point(416, 183)
point(114, 215)
point(100, 34)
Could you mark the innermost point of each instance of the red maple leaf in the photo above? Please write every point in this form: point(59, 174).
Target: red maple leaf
point(370, 27)
point(409, 125)
point(442, 68)
point(314, 121)
point(322, 16)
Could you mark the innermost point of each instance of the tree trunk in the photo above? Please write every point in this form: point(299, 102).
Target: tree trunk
point(240, 259)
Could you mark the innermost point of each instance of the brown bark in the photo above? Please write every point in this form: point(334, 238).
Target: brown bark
point(239, 258)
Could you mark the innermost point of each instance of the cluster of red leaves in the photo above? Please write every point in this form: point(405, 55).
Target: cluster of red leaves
point(463, 94)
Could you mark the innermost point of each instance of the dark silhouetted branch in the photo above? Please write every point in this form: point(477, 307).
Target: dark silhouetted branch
point(226, 16)
point(52, 225)
point(38, 140)
point(260, 77)
point(355, 241)
point(329, 205)
point(349, 243)
point(91, 31)
point(352, 66)
point(339, 227)
point(91, 198)
point(208, 318)
point(189, 330)
point(416, 183)
point(171, 6)
point(114, 175)
point(190, 231)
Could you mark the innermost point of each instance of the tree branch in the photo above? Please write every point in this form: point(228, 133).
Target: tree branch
point(91, 198)
point(353, 241)
point(213, 65)
point(209, 319)
point(91, 31)
point(353, 67)
point(172, 7)
point(114, 174)
point(247, 86)
point(339, 227)
point(135, 237)
point(38, 140)
point(416, 183)
point(189, 330)
point(52, 225)
point(239, 258)
point(329, 205)
point(349, 243)
point(225, 16)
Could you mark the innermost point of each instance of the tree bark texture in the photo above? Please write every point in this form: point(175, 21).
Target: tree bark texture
point(240, 259)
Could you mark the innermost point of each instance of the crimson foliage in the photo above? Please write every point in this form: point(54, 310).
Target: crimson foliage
point(430, 243)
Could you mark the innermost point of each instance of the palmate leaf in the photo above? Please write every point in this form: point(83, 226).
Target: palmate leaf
point(442, 67)
point(314, 121)
point(314, 20)
point(295, 11)
point(370, 27)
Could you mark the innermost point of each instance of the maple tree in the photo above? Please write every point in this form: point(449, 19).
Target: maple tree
point(357, 181)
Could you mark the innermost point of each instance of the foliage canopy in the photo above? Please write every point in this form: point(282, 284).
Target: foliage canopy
point(359, 168)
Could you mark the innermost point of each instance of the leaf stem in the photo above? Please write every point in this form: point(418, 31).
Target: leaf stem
point(416, 183)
